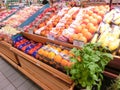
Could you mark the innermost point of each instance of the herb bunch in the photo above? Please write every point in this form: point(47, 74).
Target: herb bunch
point(89, 64)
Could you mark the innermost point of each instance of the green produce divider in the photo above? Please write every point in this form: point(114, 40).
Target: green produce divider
point(32, 18)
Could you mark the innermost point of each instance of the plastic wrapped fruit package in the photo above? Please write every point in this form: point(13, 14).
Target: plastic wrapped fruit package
point(36, 24)
point(56, 56)
point(25, 45)
point(51, 23)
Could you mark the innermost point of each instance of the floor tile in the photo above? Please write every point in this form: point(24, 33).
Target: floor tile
point(25, 86)
point(18, 81)
point(35, 87)
point(4, 67)
point(14, 77)
point(9, 87)
point(2, 77)
point(4, 83)
point(9, 72)
point(2, 61)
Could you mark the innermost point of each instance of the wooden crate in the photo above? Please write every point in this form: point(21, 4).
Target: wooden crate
point(115, 63)
point(5, 49)
point(51, 78)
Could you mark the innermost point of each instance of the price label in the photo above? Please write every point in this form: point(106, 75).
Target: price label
point(30, 31)
point(51, 37)
point(78, 43)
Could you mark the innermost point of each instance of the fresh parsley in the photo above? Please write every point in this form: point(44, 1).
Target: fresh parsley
point(87, 71)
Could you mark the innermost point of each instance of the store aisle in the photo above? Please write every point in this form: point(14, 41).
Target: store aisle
point(12, 79)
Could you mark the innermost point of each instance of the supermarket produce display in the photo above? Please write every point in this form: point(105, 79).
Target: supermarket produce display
point(6, 13)
point(109, 31)
point(71, 23)
point(44, 47)
point(32, 18)
point(18, 18)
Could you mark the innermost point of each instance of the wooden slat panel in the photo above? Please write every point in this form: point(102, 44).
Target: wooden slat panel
point(111, 75)
point(52, 82)
point(5, 44)
point(24, 72)
point(5, 49)
point(115, 63)
point(44, 66)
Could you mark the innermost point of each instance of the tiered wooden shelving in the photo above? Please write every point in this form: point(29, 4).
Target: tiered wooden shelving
point(42, 74)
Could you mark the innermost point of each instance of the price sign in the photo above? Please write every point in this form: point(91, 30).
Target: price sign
point(78, 43)
point(30, 31)
point(50, 36)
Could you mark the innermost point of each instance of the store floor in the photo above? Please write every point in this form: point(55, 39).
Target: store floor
point(12, 79)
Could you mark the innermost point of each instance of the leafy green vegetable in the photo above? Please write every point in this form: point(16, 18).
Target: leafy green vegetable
point(88, 71)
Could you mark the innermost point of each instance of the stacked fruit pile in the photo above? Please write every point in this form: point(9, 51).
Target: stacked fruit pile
point(88, 25)
point(46, 25)
point(71, 24)
point(64, 24)
point(109, 31)
point(21, 16)
point(47, 12)
point(55, 55)
point(25, 45)
point(6, 13)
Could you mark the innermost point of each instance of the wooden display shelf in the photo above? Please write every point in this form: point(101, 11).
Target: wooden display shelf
point(89, 3)
point(2, 9)
point(42, 39)
point(115, 63)
point(29, 75)
point(5, 49)
point(46, 74)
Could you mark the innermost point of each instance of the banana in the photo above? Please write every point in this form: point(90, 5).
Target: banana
point(108, 17)
point(103, 36)
point(94, 38)
point(116, 16)
point(104, 27)
point(117, 22)
point(114, 45)
point(116, 32)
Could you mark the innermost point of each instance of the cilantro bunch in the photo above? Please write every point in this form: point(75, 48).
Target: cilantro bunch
point(89, 64)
